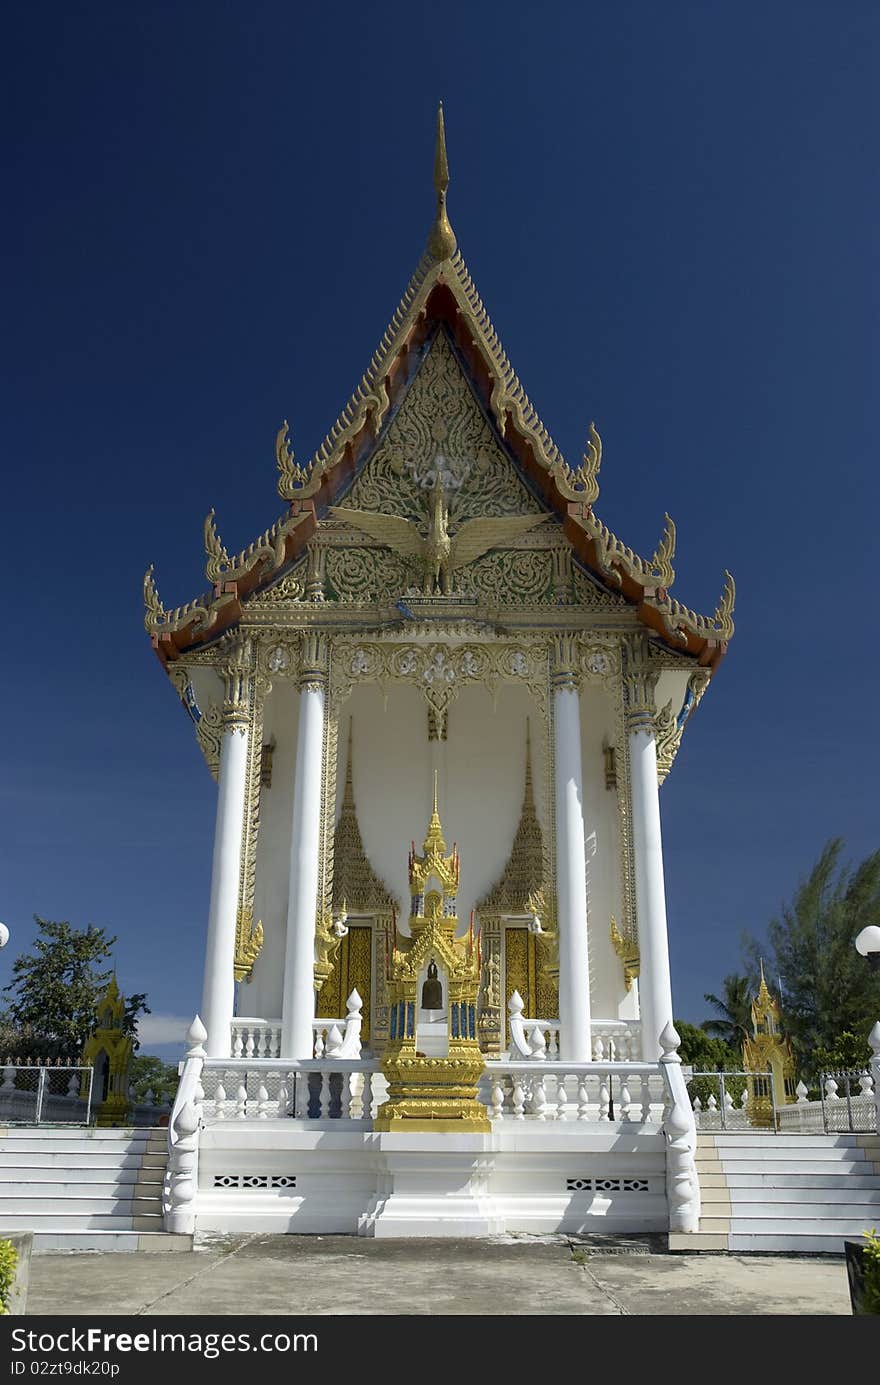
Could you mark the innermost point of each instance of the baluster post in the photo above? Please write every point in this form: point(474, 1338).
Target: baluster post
point(367, 1097)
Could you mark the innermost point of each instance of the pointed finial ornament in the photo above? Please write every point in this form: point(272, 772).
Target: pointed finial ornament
point(441, 242)
point(434, 839)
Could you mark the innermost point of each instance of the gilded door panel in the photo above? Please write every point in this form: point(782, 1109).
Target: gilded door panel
point(353, 970)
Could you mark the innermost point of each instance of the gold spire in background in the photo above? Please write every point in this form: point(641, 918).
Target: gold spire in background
point(441, 242)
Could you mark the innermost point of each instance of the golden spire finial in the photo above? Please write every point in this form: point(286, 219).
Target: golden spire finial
point(434, 840)
point(441, 242)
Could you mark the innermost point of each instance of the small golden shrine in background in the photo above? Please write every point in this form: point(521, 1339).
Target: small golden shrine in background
point(433, 1061)
point(109, 1051)
point(768, 1051)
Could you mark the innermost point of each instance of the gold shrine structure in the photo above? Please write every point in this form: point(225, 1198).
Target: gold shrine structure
point(433, 972)
point(768, 1051)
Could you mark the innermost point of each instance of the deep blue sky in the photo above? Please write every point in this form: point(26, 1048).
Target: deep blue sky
point(211, 211)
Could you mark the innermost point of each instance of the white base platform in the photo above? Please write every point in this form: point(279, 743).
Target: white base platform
point(278, 1177)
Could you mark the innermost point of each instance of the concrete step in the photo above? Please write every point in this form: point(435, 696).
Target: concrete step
point(826, 1242)
point(78, 1173)
point(734, 1140)
point(796, 1180)
point(796, 1197)
point(847, 1209)
point(821, 1166)
point(92, 1204)
point(39, 1159)
point(54, 1242)
point(846, 1154)
point(94, 1134)
point(698, 1240)
point(77, 1221)
point(47, 1194)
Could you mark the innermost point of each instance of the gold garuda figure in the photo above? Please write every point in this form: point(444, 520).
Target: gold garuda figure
point(439, 552)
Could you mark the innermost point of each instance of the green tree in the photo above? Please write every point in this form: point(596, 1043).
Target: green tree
point(704, 1053)
point(733, 1018)
point(56, 990)
point(150, 1074)
point(827, 988)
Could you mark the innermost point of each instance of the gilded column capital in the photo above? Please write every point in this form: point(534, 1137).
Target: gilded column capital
point(237, 672)
point(565, 662)
point(313, 661)
point(640, 675)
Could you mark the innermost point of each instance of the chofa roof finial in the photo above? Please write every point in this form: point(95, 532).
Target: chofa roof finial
point(441, 242)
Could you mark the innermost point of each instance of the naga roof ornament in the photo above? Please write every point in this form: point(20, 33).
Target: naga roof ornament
point(440, 295)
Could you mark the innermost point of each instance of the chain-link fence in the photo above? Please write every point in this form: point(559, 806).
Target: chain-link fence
point(732, 1100)
point(46, 1094)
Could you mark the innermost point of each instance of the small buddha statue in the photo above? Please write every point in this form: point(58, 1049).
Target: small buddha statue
point(432, 990)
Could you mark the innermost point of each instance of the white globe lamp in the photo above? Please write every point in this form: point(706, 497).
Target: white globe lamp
point(868, 944)
point(4, 935)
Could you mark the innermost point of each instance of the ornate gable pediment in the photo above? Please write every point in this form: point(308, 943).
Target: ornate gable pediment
point(439, 425)
point(440, 385)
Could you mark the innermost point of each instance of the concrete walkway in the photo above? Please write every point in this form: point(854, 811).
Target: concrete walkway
point(345, 1275)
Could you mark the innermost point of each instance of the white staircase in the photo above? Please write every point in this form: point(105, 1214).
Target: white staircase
point(81, 1188)
point(801, 1194)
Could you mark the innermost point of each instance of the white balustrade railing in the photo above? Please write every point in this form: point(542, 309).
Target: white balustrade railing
point(616, 1040)
point(538, 1039)
point(337, 1038)
point(314, 1089)
point(255, 1038)
point(559, 1091)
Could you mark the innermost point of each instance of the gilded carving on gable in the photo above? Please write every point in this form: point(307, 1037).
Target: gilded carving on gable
point(441, 423)
point(363, 574)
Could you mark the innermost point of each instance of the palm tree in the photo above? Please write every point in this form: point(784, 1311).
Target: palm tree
point(733, 1023)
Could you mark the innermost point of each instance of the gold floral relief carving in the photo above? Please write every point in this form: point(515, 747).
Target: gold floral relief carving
point(292, 587)
point(440, 670)
point(510, 578)
point(366, 574)
point(441, 423)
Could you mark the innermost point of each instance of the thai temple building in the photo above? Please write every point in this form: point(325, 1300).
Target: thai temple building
point(439, 697)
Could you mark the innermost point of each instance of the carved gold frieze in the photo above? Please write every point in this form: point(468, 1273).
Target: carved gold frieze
point(248, 944)
point(669, 728)
point(440, 670)
point(627, 949)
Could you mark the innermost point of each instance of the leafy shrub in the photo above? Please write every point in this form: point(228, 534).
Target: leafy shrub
point(8, 1266)
point(871, 1262)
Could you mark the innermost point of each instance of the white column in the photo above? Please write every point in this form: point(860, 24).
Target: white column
point(299, 967)
point(218, 993)
point(655, 985)
point(571, 863)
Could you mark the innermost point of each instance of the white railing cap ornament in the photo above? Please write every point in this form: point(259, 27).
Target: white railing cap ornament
point(670, 1042)
point(195, 1039)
